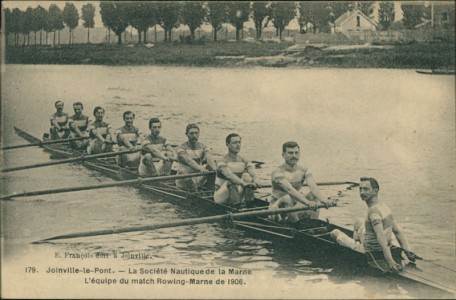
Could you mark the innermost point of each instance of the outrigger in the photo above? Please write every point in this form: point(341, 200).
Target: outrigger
point(314, 234)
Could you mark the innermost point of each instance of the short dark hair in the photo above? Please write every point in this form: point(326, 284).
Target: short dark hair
point(153, 120)
point(290, 144)
point(128, 112)
point(229, 136)
point(78, 103)
point(96, 109)
point(190, 126)
point(373, 182)
point(57, 102)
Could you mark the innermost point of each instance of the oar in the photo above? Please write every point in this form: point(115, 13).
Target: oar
point(211, 219)
point(69, 160)
point(352, 183)
point(40, 144)
point(104, 185)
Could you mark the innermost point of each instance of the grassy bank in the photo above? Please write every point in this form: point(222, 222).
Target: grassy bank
point(438, 55)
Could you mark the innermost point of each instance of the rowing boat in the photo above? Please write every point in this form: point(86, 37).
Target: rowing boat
point(436, 72)
point(308, 235)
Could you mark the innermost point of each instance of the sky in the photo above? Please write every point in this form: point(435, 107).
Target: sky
point(24, 4)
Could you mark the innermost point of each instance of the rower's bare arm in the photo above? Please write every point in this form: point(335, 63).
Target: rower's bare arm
point(55, 124)
point(253, 174)
point(171, 152)
point(230, 175)
point(125, 141)
point(184, 158)
point(400, 236)
point(210, 161)
point(378, 228)
point(287, 187)
point(314, 189)
point(155, 152)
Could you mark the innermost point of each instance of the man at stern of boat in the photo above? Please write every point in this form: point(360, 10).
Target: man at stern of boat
point(79, 124)
point(59, 123)
point(100, 133)
point(236, 179)
point(157, 154)
point(376, 232)
point(128, 137)
point(194, 157)
point(287, 182)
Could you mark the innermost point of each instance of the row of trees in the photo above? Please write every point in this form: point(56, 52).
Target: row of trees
point(52, 20)
point(142, 15)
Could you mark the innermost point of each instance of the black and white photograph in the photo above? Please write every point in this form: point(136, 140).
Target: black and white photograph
point(228, 150)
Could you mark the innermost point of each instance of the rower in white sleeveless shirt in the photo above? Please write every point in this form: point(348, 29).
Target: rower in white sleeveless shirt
point(236, 178)
point(287, 182)
point(79, 124)
point(157, 154)
point(100, 133)
point(128, 137)
point(59, 123)
point(194, 157)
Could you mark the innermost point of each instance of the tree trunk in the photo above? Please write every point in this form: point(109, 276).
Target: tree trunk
point(53, 41)
point(88, 35)
point(59, 37)
point(47, 37)
point(237, 34)
point(155, 33)
point(41, 33)
point(145, 35)
point(119, 39)
point(139, 36)
point(69, 38)
point(215, 35)
point(170, 35)
point(166, 35)
point(192, 33)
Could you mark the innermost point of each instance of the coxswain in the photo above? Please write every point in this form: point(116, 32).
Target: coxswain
point(374, 236)
point(287, 182)
point(100, 133)
point(236, 179)
point(79, 124)
point(157, 154)
point(128, 137)
point(194, 157)
point(59, 123)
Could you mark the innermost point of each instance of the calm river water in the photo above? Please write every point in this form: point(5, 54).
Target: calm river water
point(395, 125)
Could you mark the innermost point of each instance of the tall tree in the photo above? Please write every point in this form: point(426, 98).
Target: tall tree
point(237, 14)
point(315, 13)
point(193, 15)
point(366, 7)
point(151, 10)
point(39, 21)
point(55, 20)
point(169, 17)
point(281, 14)
point(71, 19)
point(413, 12)
point(88, 15)
point(16, 20)
point(8, 19)
point(27, 24)
point(386, 14)
point(260, 13)
point(114, 17)
point(216, 15)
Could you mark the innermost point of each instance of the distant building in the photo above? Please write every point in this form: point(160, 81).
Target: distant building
point(353, 23)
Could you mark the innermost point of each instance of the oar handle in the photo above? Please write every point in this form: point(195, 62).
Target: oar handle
point(352, 183)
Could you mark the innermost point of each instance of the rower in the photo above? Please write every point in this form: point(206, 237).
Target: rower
point(376, 232)
point(236, 179)
point(59, 123)
point(79, 123)
point(157, 154)
point(128, 137)
point(287, 181)
point(100, 133)
point(194, 157)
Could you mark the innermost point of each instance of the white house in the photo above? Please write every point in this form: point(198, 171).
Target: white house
point(353, 22)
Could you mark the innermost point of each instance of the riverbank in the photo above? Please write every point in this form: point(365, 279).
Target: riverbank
point(232, 54)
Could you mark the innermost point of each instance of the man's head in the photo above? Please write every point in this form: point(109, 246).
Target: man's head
point(290, 152)
point(128, 117)
point(233, 142)
point(192, 132)
point(98, 113)
point(368, 188)
point(155, 126)
point(78, 107)
point(59, 105)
